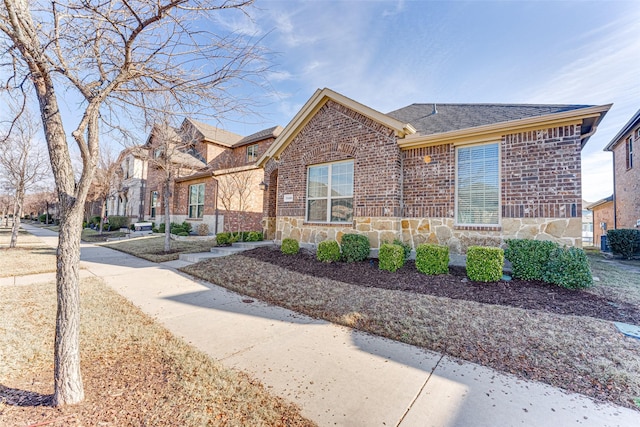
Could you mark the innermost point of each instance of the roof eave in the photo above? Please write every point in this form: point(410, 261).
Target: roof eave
point(626, 128)
point(494, 130)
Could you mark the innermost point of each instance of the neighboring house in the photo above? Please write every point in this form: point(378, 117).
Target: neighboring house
point(452, 174)
point(215, 179)
point(226, 195)
point(127, 194)
point(626, 174)
point(587, 224)
point(602, 218)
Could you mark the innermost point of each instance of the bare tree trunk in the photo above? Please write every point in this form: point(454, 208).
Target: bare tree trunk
point(167, 215)
point(17, 211)
point(67, 377)
point(103, 211)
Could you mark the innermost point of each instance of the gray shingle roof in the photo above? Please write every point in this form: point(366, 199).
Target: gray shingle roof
point(214, 134)
point(451, 117)
point(271, 132)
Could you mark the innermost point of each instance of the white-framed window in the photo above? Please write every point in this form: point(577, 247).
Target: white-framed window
point(629, 152)
point(478, 185)
point(154, 203)
point(196, 201)
point(252, 153)
point(330, 192)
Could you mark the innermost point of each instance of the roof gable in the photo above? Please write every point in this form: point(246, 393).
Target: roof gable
point(313, 105)
point(214, 134)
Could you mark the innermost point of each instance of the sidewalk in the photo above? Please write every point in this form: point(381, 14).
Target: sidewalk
point(338, 376)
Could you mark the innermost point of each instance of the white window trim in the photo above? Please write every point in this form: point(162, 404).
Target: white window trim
point(455, 200)
point(153, 212)
point(189, 204)
point(254, 157)
point(328, 198)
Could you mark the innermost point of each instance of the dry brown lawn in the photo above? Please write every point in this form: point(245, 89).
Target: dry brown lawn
point(30, 257)
point(135, 372)
point(577, 353)
point(152, 248)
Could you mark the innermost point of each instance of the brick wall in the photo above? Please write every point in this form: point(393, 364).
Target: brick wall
point(337, 133)
point(627, 182)
point(233, 157)
point(602, 213)
point(541, 174)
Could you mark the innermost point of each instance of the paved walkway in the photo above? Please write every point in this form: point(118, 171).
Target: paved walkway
point(338, 376)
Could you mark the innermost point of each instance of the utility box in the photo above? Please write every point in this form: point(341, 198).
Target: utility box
point(604, 244)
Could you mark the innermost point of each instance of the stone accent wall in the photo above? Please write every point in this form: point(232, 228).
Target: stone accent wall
point(415, 231)
point(627, 182)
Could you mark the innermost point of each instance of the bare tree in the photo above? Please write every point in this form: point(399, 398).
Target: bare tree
point(23, 163)
point(104, 182)
point(172, 154)
point(235, 187)
point(114, 56)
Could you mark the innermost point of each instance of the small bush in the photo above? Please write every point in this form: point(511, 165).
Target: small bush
point(569, 268)
point(203, 229)
point(328, 251)
point(355, 247)
point(484, 264)
point(117, 222)
point(177, 230)
point(94, 219)
point(223, 239)
point(186, 226)
point(132, 227)
point(528, 257)
point(161, 228)
point(391, 257)
point(432, 259)
point(290, 246)
point(182, 233)
point(625, 242)
point(254, 236)
point(405, 247)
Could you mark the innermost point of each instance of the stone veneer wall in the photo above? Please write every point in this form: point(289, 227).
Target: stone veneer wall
point(415, 231)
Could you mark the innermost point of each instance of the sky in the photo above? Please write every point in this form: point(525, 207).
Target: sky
point(389, 54)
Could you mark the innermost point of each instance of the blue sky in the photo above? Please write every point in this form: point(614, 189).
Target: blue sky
point(389, 54)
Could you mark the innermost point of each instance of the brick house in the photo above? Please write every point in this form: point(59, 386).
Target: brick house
point(453, 174)
point(602, 218)
point(626, 174)
point(229, 197)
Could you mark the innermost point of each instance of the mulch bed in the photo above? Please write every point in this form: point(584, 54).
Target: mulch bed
point(531, 295)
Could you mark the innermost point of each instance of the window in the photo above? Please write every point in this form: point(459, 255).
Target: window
point(154, 203)
point(477, 185)
point(196, 201)
point(252, 153)
point(629, 152)
point(330, 192)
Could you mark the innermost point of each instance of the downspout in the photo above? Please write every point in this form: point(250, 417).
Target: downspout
point(215, 204)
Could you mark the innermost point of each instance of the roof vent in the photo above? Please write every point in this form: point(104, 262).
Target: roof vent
point(435, 109)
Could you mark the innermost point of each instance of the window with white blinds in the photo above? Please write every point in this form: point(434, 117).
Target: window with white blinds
point(330, 192)
point(478, 185)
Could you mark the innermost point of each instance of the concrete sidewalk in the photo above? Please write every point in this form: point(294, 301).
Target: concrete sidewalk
point(338, 376)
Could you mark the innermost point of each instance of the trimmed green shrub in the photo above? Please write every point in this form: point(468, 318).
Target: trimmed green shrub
point(484, 264)
point(223, 238)
point(328, 251)
point(432, 259)
point(290, 246)
point(624, 241)
point(186, 226)
point(254, 236)
point(405, 247)
point(391, 257)
point(182, 233)
point(117, 222)
point(355, 247)
point(177, 230)
point(94, 219)
point(528, 257)
point(161, 228)
point(569, 268)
